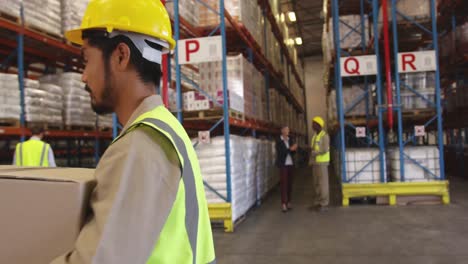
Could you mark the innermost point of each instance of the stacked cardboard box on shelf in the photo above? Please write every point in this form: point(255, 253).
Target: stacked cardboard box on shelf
point(188, 10)
point(353, 38)
point(350, 95)
point(247, 13)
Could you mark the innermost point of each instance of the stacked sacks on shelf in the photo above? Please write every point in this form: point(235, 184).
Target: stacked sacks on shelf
point(247, 174)
point(43, 102)
point(9, 97)
point(105, 121)
point(72, 13)
point(77, 101)
point(47, 17)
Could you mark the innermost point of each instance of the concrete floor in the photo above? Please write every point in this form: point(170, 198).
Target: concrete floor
point(360, 234)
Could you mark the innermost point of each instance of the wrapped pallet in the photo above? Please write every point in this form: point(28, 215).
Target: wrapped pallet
point(72, 13)
point(363, 166)
point(420, 164)
point(350, 39)
point(9, 97)
point(46, 18)
point(188, 10)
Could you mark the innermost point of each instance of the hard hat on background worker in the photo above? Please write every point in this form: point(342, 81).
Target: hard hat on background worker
point(319, 121)
point(148, 23)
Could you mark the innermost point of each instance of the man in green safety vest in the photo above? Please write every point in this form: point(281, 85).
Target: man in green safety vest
point(149, 203)
point(34, 152)
point(320, 159)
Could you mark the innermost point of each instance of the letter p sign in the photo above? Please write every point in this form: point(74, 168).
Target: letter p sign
point(191, 46)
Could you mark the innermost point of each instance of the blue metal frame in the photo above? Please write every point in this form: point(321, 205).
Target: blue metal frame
point(398, 83)
point(341, 109)
point(20, 58)
point(179, 76)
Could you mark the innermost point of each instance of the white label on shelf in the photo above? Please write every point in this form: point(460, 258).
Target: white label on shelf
point(358, 66)
point(199, 50)
point(419, 131)
point(204, 137)
point(419, 61)
point(360, 132)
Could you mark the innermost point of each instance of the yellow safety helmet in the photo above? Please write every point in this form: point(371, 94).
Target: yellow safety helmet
point(145, 17)
point(319, 121)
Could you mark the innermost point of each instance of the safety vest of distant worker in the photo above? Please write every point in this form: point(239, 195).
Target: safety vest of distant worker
point(317, 139)
point(32, 153)
point(186, 237)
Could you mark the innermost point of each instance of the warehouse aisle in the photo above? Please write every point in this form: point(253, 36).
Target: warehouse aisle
point(360, 234)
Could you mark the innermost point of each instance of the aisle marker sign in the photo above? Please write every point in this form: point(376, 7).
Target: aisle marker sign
point(419, 61)
point(199, 50)
point(419, 131)
point(358, 65)
point(360, 132)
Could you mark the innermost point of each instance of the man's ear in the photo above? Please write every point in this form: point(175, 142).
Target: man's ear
point(122, 56)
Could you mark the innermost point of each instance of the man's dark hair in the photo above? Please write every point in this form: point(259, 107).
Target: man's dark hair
point(37, 130)
point(149, 72)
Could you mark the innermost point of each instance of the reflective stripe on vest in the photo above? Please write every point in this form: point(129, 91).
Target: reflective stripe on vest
point(172, 241)
point(32, 153)
point(316, 140)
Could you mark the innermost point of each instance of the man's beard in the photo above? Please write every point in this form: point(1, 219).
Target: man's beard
point(106, 106)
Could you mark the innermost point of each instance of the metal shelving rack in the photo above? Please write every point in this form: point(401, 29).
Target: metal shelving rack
point(379, 134)
point(29, 46)
point(231, 29)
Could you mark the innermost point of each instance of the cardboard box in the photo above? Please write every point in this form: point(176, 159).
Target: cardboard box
point(43, 210)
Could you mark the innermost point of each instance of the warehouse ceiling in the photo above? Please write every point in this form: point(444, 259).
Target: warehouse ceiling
point(309, 25)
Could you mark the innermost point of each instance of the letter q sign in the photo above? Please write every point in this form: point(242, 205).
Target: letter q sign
point(358, 66)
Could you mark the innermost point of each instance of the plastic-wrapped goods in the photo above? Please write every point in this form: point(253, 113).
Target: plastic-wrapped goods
point(72, 13)
point(9, 97)
point(246, 12)
point(424, 156)
point(246, 171)
point(188, 9)
point(47, 17)
point(419, 10)
point(105, 121)
point(350, 39)
point(360, 169)
point(350, 95)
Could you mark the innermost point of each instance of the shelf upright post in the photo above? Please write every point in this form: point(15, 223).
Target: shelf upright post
point(20, 60)
point(339, 86)
point(225, 101)
point(440, 139)
point(177, 65)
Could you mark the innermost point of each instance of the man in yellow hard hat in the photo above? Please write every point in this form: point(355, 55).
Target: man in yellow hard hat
point(320, 159)
point(149, 203)
point(34, 152)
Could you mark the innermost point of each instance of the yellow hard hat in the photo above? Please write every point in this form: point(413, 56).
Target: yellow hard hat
point(146, 17)
point(319, 121)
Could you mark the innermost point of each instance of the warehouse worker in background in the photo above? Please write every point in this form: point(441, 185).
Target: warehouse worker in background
point(320, 159)
point(149, 203)
point(285, 150)
point(34, 152)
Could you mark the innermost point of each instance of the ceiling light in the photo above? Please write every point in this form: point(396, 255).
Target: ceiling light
point(299, 41)
point(292, 16)
point(282, 17)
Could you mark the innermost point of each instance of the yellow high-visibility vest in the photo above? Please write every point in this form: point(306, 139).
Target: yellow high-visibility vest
point(186, 237)
point(316, 140)
point(32, 153)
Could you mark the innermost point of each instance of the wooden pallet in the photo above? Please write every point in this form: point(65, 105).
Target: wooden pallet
point(80, 128)
point(418, 112)
point(45, 126)
point(9, 122)
point(212, 114)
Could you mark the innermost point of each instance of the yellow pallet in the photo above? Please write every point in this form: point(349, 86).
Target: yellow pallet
point(394, 189)
point(223, 212)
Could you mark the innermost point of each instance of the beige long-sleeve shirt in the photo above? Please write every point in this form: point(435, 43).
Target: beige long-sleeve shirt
point(137, 182)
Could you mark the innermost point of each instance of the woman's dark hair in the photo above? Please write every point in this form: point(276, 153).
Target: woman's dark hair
point(149, 72)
